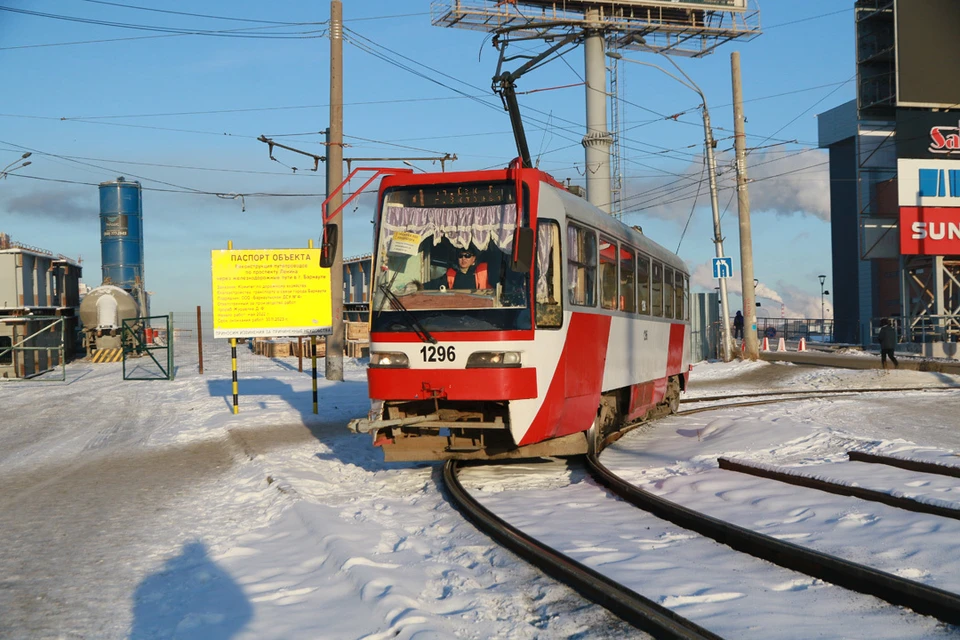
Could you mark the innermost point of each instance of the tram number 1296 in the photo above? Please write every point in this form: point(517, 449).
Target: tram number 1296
point(433, 353)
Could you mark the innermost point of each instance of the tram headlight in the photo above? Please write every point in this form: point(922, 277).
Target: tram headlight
point(498, 359)
point(389, 360)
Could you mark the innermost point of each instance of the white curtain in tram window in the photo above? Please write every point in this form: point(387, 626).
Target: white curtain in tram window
point(545, 233)
point(573, 255)
point(462, 226)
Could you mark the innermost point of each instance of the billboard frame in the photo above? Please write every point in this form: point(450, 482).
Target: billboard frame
point(705, 5)
point(896, 66)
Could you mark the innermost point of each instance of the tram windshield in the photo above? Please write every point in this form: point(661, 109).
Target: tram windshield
point(443, 260)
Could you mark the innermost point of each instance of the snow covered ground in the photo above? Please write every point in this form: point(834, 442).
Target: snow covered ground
point(149, 510)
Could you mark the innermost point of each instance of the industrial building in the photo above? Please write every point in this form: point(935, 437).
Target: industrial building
point(39, 305)
point(356, 288)
point(122, 294)
point(895, 177)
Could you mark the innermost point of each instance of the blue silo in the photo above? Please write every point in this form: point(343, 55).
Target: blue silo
point(121, 233)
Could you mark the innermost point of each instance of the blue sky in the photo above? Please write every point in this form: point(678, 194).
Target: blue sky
point(182, 113)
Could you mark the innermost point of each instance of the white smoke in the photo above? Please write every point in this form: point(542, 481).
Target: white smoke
point(785, 301)
point(790, 182)
point(783, 183)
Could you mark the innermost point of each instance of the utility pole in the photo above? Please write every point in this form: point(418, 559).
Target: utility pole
point(598, 140)
point(725, 352)
point(334, 355)
point(743, 205)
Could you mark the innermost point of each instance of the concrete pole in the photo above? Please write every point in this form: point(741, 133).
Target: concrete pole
point(743, 203)
point(598, 140)
point(334, 354)
point(725, 351)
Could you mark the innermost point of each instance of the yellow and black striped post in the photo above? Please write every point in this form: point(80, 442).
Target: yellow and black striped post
point(233, 361)
point(313, 356)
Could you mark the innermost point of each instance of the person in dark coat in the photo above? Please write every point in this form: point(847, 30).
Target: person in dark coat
point(888, 342)
point(738, 326)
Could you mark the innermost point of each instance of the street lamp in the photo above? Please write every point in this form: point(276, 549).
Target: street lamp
point(709, 143)
point(7, 169)
point(823, 292)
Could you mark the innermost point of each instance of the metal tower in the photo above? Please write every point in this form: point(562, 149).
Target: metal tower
point(688, 27)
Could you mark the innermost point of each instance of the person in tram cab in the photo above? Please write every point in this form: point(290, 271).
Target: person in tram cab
point(467, 275)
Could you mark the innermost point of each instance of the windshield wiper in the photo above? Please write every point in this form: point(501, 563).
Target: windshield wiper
point(412, 321)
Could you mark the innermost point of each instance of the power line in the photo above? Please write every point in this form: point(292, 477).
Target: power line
point(227, 33)
point(182, 13)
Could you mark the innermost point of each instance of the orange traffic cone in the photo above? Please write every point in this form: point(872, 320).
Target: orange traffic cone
point(803, 345)
point(782, 345)
point(766, 344)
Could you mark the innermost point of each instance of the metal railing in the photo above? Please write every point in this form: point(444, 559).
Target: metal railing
point(921, 329)
point(43, 353)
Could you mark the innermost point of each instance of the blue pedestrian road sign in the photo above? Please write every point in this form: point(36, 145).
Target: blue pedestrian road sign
point(723, 267)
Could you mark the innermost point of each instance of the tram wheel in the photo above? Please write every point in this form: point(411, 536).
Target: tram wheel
point(673, 394)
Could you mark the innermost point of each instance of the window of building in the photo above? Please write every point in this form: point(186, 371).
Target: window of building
point(5, 343)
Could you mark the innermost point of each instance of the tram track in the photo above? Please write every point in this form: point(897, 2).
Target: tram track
point(943, 605)
point(921, 598)
point(814, 393)
point(837, 488)
point(632, 607)
point(773, 397)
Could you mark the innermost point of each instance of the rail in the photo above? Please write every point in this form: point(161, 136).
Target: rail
point(623, 602)
point(943, 605)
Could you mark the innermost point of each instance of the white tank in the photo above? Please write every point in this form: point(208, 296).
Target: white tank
point(106, 307)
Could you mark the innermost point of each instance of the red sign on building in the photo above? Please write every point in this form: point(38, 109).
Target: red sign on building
point(930, 231)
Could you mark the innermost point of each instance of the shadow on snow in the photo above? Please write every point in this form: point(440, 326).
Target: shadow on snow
point(190, 597)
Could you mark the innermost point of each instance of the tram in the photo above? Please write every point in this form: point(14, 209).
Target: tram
point(510, 318)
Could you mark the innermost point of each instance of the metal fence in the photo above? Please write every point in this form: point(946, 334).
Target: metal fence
point(40, 348)
point(192, 332)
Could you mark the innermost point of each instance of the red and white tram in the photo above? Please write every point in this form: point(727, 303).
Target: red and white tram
point(573, 323)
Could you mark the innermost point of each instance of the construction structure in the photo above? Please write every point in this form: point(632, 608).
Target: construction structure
point(895, 177)
point(39, 303)
point(688, 28)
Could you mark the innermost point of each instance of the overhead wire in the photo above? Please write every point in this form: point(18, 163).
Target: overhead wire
point(547, 124)
point(167, 30)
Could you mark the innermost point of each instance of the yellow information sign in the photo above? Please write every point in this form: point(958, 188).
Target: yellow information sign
point(270, 292)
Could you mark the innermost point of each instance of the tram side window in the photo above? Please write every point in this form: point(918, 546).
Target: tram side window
point(643, 284)
point(656, 287)
point(608, 273)
point(686, 298)
point(668, 299)
point(582, 266)
point(549, 310)
point(628, 281)
point(681, 297)
point(5, 343)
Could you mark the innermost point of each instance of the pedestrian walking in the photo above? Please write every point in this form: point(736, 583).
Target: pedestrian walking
point(888, 342)
point(738, 326)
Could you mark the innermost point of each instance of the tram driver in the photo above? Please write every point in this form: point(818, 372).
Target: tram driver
point(467, 275)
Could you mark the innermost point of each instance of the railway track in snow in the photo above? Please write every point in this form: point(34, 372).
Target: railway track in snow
point(661, 622)
point(773, 397)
